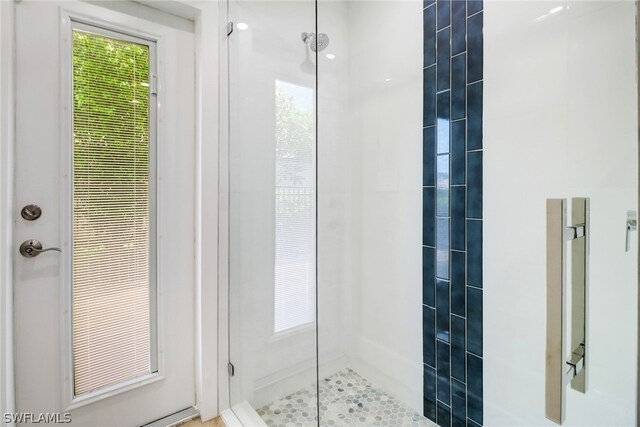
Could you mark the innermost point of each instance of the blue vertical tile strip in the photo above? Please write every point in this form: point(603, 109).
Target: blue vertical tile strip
point(452, 212)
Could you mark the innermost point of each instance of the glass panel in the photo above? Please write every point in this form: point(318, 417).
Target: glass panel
point(272, 208)
point(370, 177)
point(111, 211)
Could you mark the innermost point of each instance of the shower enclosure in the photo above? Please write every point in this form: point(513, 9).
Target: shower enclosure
point(385, 170)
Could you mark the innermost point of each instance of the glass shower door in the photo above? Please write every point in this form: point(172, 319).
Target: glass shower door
point(272, 208)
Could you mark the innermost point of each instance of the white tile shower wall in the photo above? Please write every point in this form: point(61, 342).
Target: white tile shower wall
point(385, 128)
point(560, 121)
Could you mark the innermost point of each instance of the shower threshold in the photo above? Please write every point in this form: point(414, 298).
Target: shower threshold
point(346, 398)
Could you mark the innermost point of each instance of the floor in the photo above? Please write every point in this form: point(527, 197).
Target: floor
point(216, 422)
point(347, 400)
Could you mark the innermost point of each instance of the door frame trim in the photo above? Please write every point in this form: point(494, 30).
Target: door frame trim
point(7, 127)
point(205, 18)
point(638, 207)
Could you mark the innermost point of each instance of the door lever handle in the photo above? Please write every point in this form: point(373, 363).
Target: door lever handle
point(32, 248)
point(632, 225)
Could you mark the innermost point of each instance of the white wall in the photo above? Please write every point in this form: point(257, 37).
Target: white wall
point(560, 120)
point(385, 128)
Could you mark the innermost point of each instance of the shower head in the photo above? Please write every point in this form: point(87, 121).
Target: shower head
point(316, 43)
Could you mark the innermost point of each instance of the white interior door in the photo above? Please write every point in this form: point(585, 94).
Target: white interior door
point(105, 147)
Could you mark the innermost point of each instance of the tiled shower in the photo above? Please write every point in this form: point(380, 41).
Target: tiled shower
point(407, 149)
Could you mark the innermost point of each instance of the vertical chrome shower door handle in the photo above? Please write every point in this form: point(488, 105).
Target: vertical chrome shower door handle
point(561, 369)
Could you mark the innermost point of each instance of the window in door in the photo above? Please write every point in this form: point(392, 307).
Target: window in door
point(113, 289)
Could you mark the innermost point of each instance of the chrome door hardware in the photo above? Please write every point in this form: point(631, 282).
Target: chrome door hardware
point(31, 212)
point(32, 248)
point(632, 225)
point(560, 369)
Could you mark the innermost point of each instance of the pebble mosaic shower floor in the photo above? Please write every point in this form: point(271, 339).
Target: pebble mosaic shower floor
point(347, 399)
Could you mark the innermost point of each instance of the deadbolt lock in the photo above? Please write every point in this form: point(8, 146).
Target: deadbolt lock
point(31, 212)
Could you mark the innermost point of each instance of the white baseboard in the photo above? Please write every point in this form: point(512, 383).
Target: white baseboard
point(390, 372)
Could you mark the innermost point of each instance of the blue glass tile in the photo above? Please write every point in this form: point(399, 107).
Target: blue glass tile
point(443, 125)
point(444, 415)
point(443, 133)
point(442, 183)
point(474, 253)
point(429, 335)
point(458, 153)
point(458, 86)
point(428, 216)
point(473, 6)
point(429, 156)
point(474, 184)
point(443, 171)
point(474, 321)
point(474, 48)
point(458, 285)
point(429, 96)
point(442, 310)
point(429, 390)
point(429, 49)
point(444, 375)
point(442, 201)
point(429, 276)
point(458, 404)
point(457, 200)
point(442, 248)
point(444, 13)
point(474, 388)
point(458, 352)
point(458, 26)
point(474, 116)
point(444, 59)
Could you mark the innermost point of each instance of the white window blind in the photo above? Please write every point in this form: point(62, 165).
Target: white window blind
point(111, 211)
point(294, 303)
